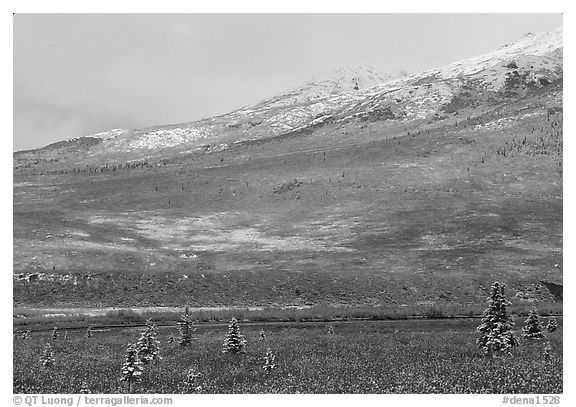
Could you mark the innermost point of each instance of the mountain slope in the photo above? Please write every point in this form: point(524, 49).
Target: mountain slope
point(527, 64)
point(423, 189)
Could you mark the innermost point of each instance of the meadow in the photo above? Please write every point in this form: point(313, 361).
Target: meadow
point(429, 356)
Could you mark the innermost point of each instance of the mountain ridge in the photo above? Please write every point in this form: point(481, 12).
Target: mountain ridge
point(422, 96)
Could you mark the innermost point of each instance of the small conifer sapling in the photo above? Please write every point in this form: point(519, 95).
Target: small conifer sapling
point(185, 328)
point(552, 325)
point(132, 368)
point(235, 341)
point(269, 359)
point(148, 346)
point(547, 353)
point(532, 328)
point(192, 379)
point(47, 358)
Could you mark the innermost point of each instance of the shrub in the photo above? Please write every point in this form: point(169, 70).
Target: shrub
point(124, 316)
point(287, 186)
point(512, 65)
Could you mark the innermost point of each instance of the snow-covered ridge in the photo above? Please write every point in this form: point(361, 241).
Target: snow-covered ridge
point(159, 138)
point(346, 93)
point(540, 44)
point(105, 135)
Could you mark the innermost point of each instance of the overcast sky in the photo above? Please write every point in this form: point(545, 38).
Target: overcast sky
point(79, 74)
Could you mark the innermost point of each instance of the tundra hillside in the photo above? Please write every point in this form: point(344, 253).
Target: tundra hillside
point(367, 189)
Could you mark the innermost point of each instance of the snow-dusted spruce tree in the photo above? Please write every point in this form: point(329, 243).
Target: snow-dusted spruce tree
point(47, 357)
point(552, 325)
point(148, 346)
point(185, 328)
point(547, 353)
point(532, 328)
point(191, 381)
point(269, 359)
point(496, 335)
point(84, 387)
point(132, 368)
point(55, 333)
point(235, 341)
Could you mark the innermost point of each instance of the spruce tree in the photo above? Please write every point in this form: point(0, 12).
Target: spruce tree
point(552, 325)
point(148, 346)
point(132, 367)
point(496, 335)
point(547, 353)
point(269, 359)
point(84, 387)
point(532, 328)
point(47, 357)
point(235, 341)
point(185, 328)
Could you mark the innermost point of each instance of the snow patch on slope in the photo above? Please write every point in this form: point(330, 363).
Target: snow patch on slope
point(106, 135)
point(351, 93)
point(540, 44)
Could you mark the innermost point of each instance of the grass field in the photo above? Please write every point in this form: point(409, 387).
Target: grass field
point(360, 357)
